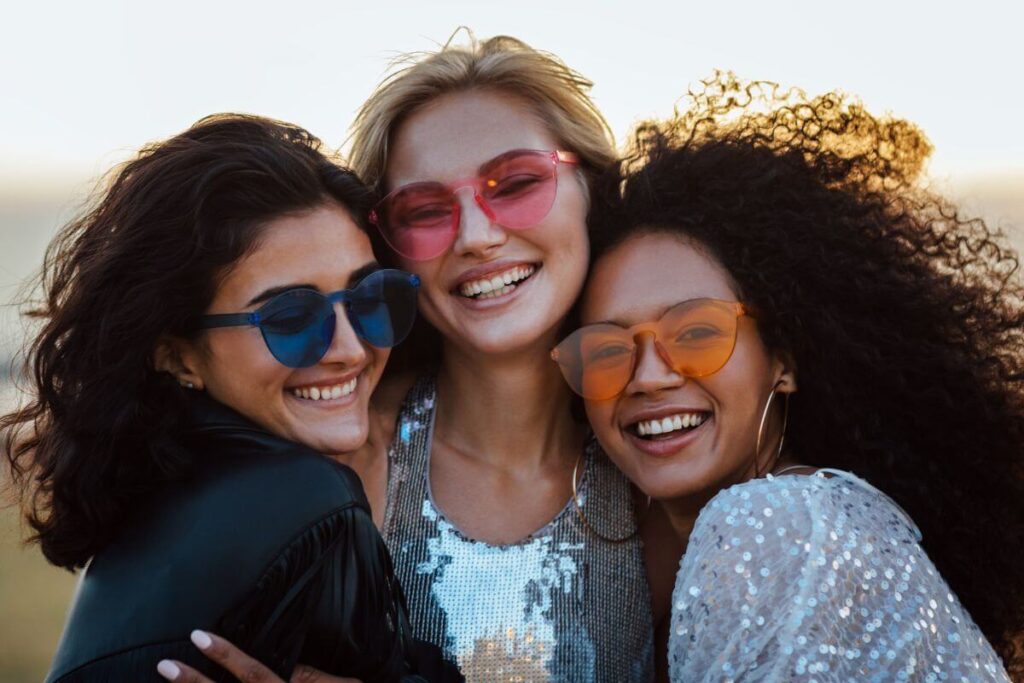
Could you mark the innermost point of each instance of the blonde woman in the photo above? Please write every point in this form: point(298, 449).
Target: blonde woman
point(514, 537)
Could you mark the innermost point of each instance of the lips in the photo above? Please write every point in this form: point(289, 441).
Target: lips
point(666, 430)
point(493, 280)
point(497, 284)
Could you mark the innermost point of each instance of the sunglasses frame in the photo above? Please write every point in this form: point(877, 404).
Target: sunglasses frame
point(476, 183)
point(342, 296)
point(650, 327)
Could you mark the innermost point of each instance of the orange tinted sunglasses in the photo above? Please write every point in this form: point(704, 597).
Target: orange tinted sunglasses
point(695, 338)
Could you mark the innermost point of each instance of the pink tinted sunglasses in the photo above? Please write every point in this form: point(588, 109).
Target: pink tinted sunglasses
point(515, 190)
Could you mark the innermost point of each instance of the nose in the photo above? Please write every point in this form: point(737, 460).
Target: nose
point(346, 347)
point(479, 233)
point(653, 372)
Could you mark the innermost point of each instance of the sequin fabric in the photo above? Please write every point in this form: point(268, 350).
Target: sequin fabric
point(814, 579)
point(560, 605)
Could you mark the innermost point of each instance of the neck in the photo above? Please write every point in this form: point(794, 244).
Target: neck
point(511, 409)
point(682, 513)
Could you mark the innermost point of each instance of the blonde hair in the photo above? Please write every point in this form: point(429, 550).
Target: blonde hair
point(559, 96)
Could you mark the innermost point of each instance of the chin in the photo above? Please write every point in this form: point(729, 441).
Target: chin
point(518, 335)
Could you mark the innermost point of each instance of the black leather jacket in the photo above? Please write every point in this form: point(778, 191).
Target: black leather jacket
point(267, 543)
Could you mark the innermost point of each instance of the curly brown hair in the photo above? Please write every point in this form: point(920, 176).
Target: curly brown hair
point(904, 317)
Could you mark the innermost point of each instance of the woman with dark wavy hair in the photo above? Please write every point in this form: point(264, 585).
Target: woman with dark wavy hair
point(210, 328)
point(777, 315)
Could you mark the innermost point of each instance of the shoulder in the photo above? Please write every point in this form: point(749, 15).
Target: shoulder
point(249, 518)
point(805, 504)
point(768, 544)
point(774, 563)
point(263, 482)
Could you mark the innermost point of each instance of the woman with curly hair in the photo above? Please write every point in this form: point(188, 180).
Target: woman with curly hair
point(776, 316)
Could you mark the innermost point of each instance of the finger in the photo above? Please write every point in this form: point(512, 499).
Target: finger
point(307, 674)
point(180, 673)
point(245, 668)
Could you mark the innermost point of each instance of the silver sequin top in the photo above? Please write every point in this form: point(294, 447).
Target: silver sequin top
point(814, 578)
point(560, 605)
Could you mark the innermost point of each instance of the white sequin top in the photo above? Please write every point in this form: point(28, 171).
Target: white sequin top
point(815, 579)
point(560, 606)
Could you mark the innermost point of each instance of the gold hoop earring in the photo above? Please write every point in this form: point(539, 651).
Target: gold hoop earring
point(764, 420)
point(583, 518)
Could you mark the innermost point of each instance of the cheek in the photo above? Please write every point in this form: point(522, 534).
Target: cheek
point(379, 358)
point(242, 367)
point(738, 388)
point(601, 416)
point(427, 271)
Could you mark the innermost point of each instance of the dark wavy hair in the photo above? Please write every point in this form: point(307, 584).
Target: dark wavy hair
point(99, 432)
point(904, 317)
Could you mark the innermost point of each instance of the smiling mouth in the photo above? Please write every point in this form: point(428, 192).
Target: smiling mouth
point(668, 426)
point(498, 284)
point(326, 392)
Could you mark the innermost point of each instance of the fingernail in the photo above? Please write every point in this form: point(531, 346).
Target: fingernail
point(168, 669)
point(201, 639)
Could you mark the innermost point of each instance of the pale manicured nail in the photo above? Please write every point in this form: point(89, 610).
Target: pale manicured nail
point(201, 639)
point(168, 669)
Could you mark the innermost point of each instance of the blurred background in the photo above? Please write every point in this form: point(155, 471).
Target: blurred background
point(83, 85)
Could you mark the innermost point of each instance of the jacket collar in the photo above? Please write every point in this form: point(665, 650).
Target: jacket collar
point(206, 414)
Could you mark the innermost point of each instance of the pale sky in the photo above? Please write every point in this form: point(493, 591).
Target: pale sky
point(82, 84)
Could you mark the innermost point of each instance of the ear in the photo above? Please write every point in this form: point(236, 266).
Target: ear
point(180, 359)
point(784, 369)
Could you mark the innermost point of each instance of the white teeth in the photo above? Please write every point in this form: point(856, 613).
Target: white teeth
point(499, 284)
point(497, 292)
point(668, 424)
point(326, 393)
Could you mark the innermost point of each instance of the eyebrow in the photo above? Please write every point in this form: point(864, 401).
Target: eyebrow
point(356, 276)
point(495, 161)
point(626, 325)
point(481, 170)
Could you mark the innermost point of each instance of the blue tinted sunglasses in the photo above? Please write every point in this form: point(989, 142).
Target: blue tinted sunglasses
point(298, 325)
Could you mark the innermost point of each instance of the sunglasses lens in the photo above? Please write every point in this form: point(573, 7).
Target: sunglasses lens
point(520, 189)
point(699, 336)
point(596, 361)
point(297, 327)
point(382, 308)
point(418, 221)
point(421, 220)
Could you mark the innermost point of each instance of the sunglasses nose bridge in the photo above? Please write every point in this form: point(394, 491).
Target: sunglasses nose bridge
point(648, 374)
point(343, 343)
point(476, 226)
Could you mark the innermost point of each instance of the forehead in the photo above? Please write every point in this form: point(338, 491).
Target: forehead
point(452, 136)
point(645, 275)
point(322, 246)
